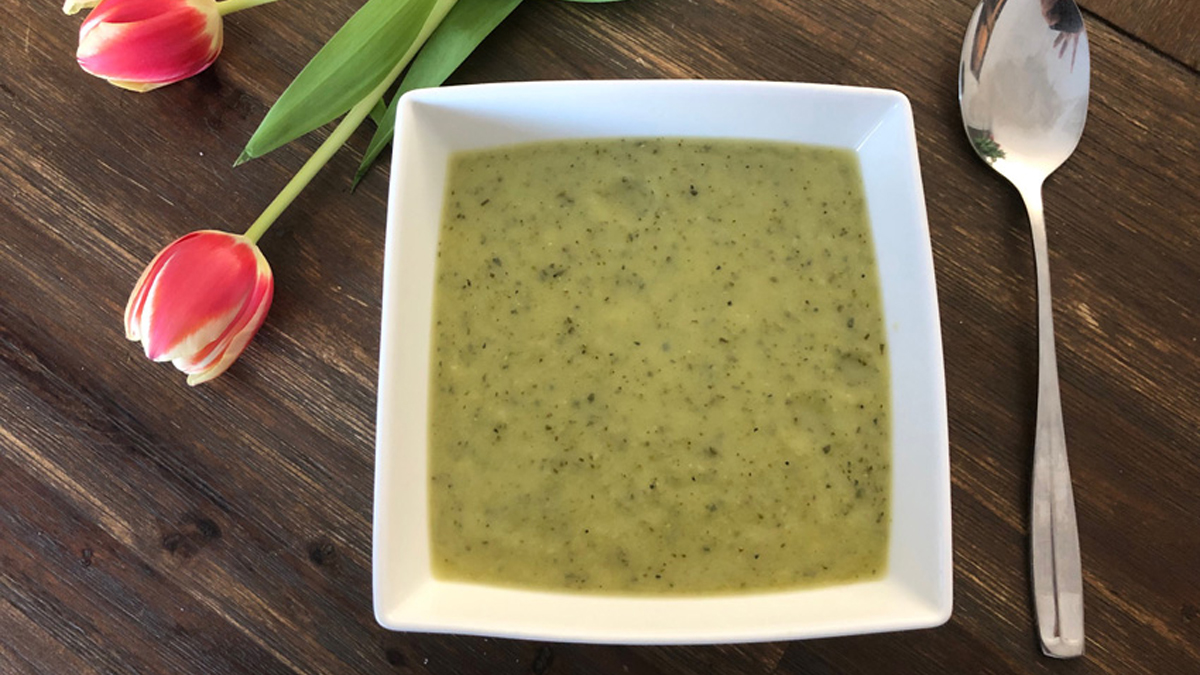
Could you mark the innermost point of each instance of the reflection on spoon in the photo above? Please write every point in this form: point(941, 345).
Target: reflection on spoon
point(1061, 15)
point(1064, 16)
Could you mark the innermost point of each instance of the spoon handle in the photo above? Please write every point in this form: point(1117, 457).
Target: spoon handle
point(1054, 537)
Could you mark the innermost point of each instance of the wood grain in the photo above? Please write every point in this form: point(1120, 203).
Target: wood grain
point(1171, 27)
point(146, 527)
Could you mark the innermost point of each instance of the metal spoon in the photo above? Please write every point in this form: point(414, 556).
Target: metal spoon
point(1023, 91)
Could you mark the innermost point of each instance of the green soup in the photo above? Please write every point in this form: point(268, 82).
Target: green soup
point(658, 368)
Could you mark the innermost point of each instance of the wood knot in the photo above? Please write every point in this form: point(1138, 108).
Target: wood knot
point(195, 533)
point(395, 657)
point(542, 660)
point(205, 527)
point(1189, 612)
point(322, 552)
point(175, 543)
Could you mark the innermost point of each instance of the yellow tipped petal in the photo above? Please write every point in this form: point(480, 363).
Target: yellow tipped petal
point(77, 6)
point(140, 87)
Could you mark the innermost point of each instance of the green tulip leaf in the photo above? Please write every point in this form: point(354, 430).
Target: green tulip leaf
point(465, 26)
point(353, 63)
point(378, 111)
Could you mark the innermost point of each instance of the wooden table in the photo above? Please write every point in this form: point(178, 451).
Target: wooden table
point(147, 527)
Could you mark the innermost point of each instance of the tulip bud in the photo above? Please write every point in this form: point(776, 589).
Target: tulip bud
point(200, 301)
point(145, 44)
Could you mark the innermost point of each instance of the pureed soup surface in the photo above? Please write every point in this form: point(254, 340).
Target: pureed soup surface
point(658, 368)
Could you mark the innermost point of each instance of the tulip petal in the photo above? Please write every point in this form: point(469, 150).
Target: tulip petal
point(200, 284)
point(137, 299)
point(222, 352)
point(237, 344)
point(76, 6)
point(140, 87)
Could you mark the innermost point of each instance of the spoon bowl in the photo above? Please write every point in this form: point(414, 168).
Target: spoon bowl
point(1023, 90)
point(1023, 85)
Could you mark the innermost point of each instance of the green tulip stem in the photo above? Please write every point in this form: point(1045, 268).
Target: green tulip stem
point(226, 7)
point(343, 130)
point(306, 173)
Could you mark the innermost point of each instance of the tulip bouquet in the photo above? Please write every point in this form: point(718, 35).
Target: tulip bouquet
point(203, 298)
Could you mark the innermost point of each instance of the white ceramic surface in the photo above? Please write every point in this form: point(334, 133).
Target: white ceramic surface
point(877, 124)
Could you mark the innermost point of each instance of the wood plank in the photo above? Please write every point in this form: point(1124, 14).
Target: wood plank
point(1169, 26)
point(82, 602)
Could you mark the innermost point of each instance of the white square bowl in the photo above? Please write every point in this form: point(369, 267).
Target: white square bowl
point(877, 124)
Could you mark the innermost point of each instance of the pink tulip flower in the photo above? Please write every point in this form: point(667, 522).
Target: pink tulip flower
point(145, 44)
point(200, 301)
